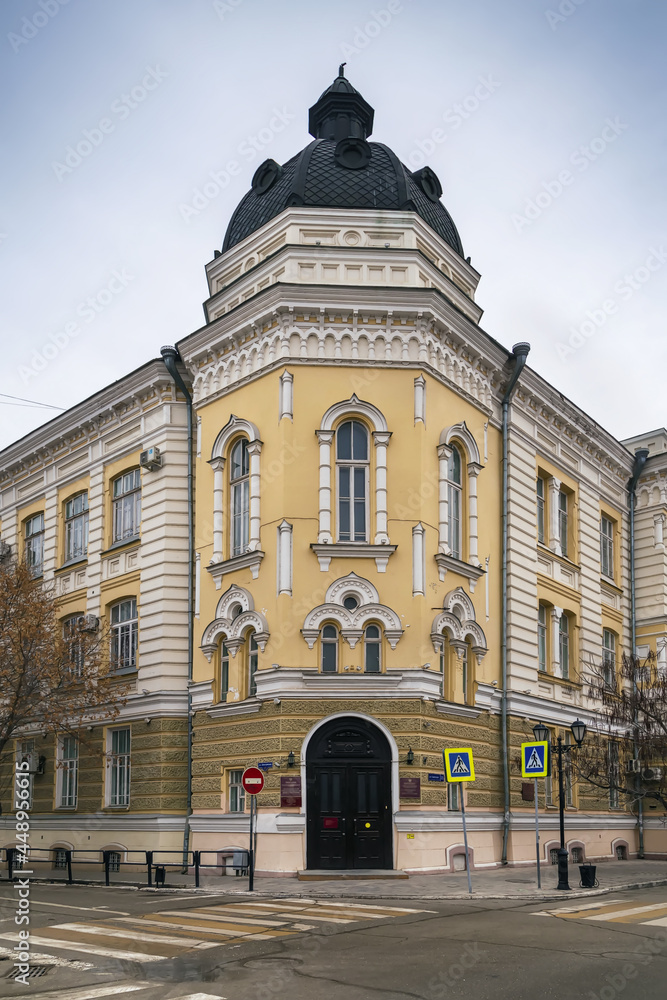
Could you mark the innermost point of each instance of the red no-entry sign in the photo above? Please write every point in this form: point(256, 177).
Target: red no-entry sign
point(252, 780)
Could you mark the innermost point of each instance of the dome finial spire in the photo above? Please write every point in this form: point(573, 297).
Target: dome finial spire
point(341, 112)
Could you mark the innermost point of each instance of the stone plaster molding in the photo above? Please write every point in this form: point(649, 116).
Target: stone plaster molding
point(352, 407)
point(235, 427)
point(235, 616)
point(352, 623)
point(353, 550)
point(458, 620)
point(390, 344)
point(309, 683)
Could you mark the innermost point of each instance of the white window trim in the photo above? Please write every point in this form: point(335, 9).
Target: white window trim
point(110, 766)
point(459, 434)
point(350, 409)
point(63, 769)
point(235, 427)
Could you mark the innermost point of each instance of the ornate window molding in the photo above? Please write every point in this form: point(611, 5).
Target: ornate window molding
point(235, 427)
point(235, 616)
point(460, 434)
point(457, 619)
point(352, 621)
point(353, 407)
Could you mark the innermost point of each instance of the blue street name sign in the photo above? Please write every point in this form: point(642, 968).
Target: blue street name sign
point(436, 777)
point(264, 765)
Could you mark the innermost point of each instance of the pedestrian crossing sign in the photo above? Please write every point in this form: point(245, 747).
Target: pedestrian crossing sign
point(459, 764)
point(534, 760)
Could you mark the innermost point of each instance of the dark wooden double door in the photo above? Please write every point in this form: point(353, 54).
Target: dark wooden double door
point(348, 779)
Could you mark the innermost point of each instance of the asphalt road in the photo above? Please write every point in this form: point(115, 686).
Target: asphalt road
point(151, 946)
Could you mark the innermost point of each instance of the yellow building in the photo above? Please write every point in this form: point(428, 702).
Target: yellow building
point(361, 450)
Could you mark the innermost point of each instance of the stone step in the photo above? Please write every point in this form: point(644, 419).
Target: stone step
point(354, 874)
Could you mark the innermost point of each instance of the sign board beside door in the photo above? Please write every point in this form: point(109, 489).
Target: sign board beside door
point(290, 791)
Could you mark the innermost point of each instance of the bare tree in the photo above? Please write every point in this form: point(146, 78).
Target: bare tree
point(54, 675)
point(626, 752)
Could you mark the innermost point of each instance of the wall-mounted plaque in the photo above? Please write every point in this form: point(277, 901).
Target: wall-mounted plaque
point(290, 791)
point(410, 788)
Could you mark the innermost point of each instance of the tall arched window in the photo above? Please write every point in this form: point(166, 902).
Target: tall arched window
point(239, 484)
point(253, 657)
point(224, 672)
point(564, 646)
point(454, 503)
point(372, 649)
point(352, 475)
point(329, 644)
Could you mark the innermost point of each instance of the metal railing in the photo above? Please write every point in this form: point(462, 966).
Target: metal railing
point(155, 864)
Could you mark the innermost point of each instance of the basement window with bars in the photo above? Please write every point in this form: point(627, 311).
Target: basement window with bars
point(60, 858)
point(114, 861)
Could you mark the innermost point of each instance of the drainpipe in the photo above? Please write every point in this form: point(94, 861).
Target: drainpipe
point(640, 461)
point(170, 356)
point(520, 353)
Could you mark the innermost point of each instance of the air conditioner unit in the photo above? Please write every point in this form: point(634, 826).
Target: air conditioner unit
point(150, 459)
point(633, 766)
point(36, 764)
point(652, 774)
point(90, 623)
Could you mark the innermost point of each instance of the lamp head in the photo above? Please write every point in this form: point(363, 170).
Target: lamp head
point(578, 731)
point(541, 733)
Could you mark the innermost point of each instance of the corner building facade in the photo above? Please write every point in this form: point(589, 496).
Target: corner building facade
point(348, 519)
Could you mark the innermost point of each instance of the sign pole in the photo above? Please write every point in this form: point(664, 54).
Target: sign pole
point(465, 841)
point(251, 853)
point(537, 837)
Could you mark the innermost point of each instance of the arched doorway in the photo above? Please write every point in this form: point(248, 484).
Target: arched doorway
point(348, 803)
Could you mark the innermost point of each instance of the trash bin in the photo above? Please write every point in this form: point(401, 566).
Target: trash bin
point(160, 874)
point(588, 879)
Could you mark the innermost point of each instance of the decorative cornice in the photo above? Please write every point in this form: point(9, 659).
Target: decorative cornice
point(249, 560)
point(353, 550)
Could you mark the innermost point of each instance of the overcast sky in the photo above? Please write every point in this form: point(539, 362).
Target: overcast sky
point(544, 119)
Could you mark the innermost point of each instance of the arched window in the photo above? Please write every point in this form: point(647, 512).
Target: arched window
point(239, 485)
point(329, 643)
point(352, 475)
point(564, 646)
point(253, 657)
point(372, 649)
point(224, 672)
point(454, 503)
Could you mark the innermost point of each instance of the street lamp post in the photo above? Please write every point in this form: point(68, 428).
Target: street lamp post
point(541, 734)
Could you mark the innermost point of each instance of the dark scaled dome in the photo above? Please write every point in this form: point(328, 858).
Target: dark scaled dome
point(341, 169)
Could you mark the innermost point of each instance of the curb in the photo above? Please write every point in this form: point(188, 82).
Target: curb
point(526, 897)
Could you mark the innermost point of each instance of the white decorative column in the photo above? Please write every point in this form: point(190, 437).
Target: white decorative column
point(659, 529)
point(254, 451)
point(444, 452)
point(197, 583)
point(284, 553)
point(381, 441)
point(473, 471)
point(554, 533)
point(218, 466)
point(418, 565)
point(286, 396)
point(555, 641)
point(420, 399)
point(324, 535)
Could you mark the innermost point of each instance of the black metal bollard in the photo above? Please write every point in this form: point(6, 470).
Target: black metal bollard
point(107, 860)
point(149, 866)
point(68, 855)
point(562, 869)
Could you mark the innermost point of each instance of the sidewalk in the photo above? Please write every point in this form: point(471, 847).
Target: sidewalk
point(498, 883)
